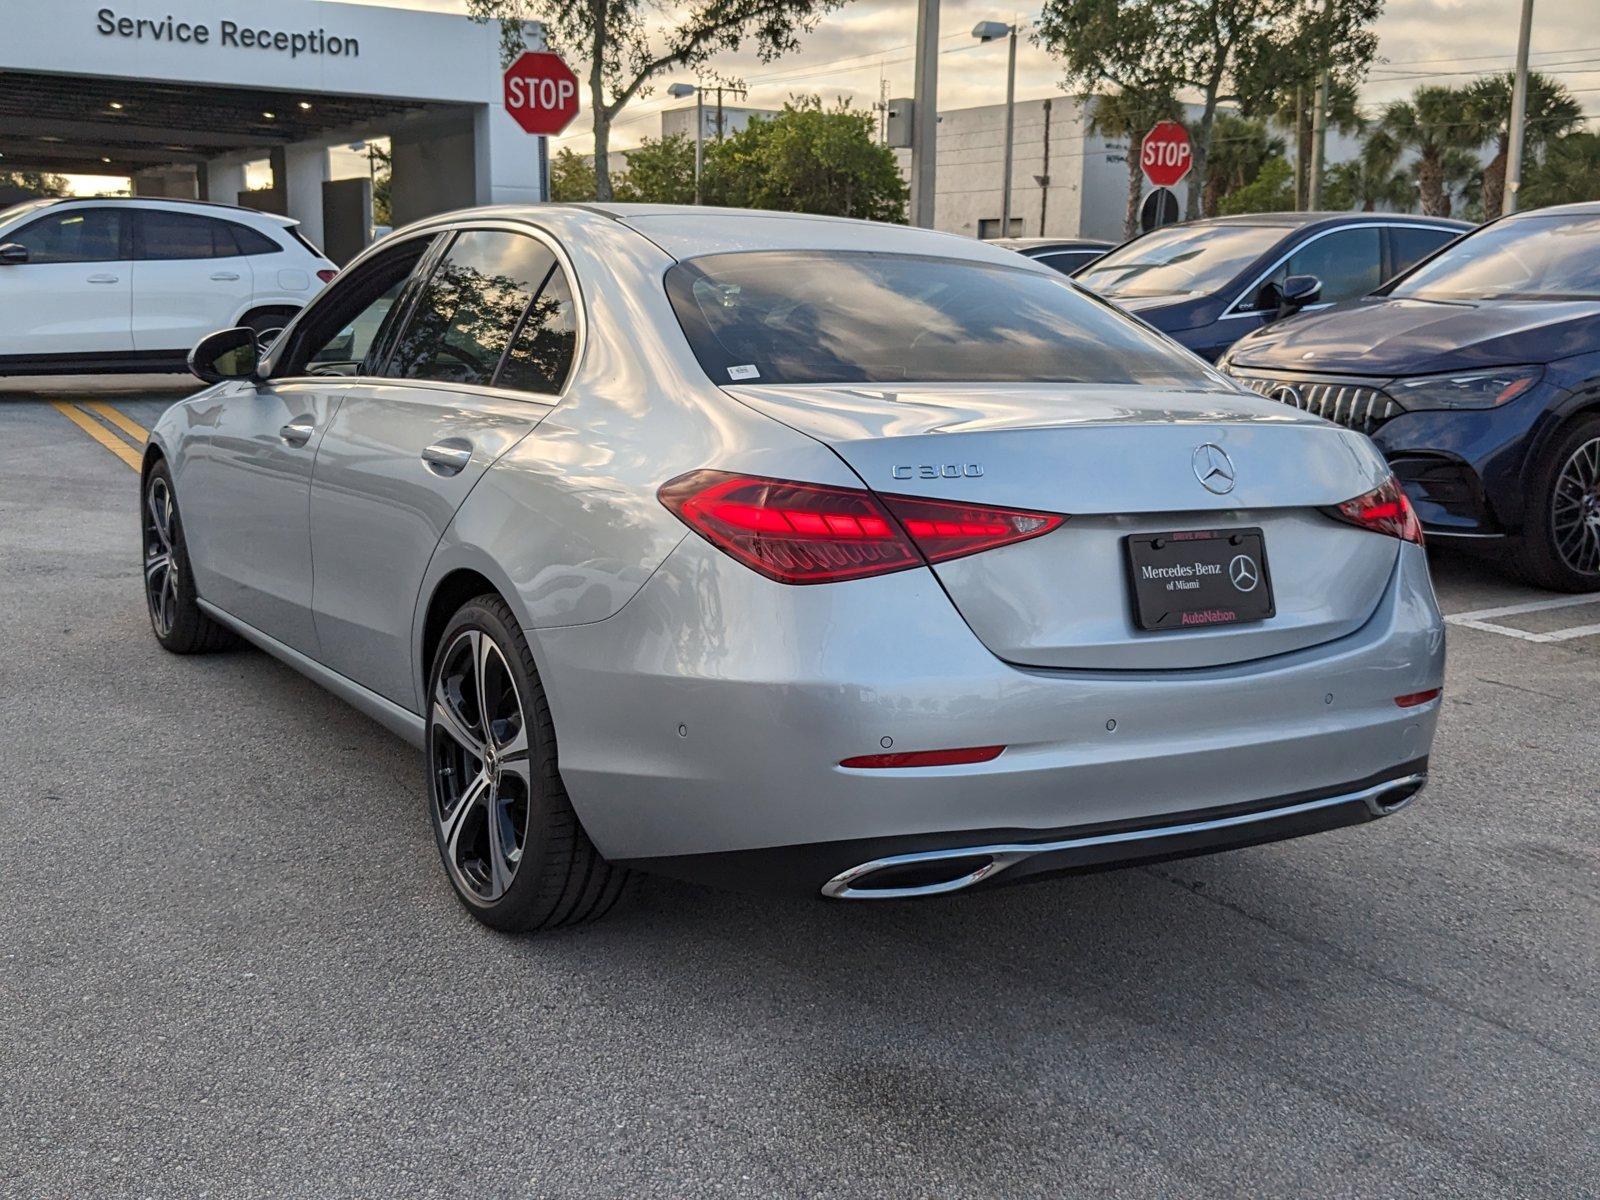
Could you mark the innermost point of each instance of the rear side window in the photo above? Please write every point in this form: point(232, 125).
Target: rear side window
point(540, 357)
point(76, 235)
point(1409, 246)
point(251, 241)
point(798, 317)
point(469, 308)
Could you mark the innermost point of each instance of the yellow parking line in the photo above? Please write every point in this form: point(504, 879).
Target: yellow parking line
point(99, 433)
point(121, 420)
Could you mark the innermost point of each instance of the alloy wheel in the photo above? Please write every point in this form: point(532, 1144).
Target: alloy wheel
point(481, 775)
point(1575, 509)
point(160, 563)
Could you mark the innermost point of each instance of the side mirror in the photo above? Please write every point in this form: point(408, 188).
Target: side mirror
point(226, 354)
point(11, 254)
point(1298, 291)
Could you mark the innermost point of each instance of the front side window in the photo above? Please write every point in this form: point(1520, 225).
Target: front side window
point(1526, 258)
point(799, 317)
point(466, 313)
point(1180, 260)
point(1349, 262)
point(338, 334)
point(75, 235)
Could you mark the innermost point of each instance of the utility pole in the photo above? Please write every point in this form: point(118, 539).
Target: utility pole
point(925, 114)
point(699, 137)
point(1519, 113)
point(1319, 143)
point(1011, 117)
point(1299, 147)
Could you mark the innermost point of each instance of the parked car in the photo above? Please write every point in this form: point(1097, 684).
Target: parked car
point(1066, 255)
point(1208, 283)
point(835, 556)
point(1478, 375)
point(88, 286)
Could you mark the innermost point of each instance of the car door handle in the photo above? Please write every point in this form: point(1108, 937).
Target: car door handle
point(224, 276)
point(449, 456)
point(297, 432)
point(103, 278)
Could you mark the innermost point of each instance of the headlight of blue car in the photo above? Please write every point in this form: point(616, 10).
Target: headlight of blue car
point(1473, 389)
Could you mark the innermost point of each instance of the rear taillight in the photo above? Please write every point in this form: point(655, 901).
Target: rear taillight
point(327, 274)
point(813, 533)
point(1383, 510)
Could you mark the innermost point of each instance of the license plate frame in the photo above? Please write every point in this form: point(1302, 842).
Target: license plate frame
point(1193, 579)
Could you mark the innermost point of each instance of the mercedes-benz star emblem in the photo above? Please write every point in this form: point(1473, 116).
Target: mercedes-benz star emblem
point(1242, 570)
point(1213, 468)
point(1286, 393)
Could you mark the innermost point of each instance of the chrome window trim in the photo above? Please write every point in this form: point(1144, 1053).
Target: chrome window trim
point(1233, 309)
point(461, 225)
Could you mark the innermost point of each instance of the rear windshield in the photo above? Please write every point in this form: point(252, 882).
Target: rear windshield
point(1180, 260)
point(797, 317)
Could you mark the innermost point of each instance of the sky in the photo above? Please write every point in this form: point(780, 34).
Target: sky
point(1420, 41)
point(866, 46)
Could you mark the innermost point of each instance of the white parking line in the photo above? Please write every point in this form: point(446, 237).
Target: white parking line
point(1480, 619)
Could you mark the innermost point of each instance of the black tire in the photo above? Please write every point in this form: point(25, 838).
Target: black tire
point(481, 787)
point(1560, 545)
point(268, 323)
point(176, 620)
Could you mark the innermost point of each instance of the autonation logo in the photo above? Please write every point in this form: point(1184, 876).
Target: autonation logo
point(294, 43)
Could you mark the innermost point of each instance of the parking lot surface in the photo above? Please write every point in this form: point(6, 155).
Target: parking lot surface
point(230, 964)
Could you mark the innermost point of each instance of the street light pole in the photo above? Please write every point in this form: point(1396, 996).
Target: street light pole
point(925, 114)
point(699, 137)
point(1519, 114)
point(988, 31)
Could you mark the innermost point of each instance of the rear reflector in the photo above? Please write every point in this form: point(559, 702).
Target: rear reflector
point(926, 758)
point(1383, 510)
point(326, 274)
point(1412, 699)
point(813, 533)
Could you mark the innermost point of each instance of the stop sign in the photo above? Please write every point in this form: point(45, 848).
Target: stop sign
point(541, 92)
point(1166, 155)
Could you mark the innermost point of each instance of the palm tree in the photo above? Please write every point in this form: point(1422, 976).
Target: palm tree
point(1131, 115)
point(1239, 148)
point(1432, 123)
point(1552, 112)
point(1569, 173)
point(1372, 178)
point(1290, 109)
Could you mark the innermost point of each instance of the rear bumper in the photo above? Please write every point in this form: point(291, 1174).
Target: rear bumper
point(711, 715)
point(925, 865)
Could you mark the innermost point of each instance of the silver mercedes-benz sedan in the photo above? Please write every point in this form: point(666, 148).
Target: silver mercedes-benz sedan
point(793, 552)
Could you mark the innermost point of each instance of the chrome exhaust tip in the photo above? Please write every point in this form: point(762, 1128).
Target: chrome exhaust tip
point(939, 872)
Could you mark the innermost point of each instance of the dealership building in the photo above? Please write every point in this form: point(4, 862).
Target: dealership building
point(182, 96)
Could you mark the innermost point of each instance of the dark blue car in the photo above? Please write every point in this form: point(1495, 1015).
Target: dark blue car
point(1208, 283)
point(1478, 376)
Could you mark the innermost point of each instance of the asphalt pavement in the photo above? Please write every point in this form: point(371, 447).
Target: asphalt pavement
point(230, 965)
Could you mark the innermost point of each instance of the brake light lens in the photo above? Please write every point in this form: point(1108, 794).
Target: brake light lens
point(326, 274)
point(814, 533)
point(925, 758)
point(1383, 510)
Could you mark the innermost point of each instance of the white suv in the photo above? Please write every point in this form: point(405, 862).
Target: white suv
point(132, 284)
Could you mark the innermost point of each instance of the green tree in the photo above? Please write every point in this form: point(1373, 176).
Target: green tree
point(624, 53)
point(382, 163)
point(659, 172)
point(1272, 190)
point(33, 183)
point(808, 159)
point(1569, 173)
point(1552, 112)
point(1221, 49)
point(1372, 178)
point(1432, 123)
point(1130, 115)
point(1239, 150)
point(1291, 106)
point(571, 177)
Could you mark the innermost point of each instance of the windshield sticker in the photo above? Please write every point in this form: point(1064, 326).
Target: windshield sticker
point(744, 371)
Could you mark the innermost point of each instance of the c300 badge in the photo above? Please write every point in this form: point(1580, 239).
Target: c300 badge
point(939, 471)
